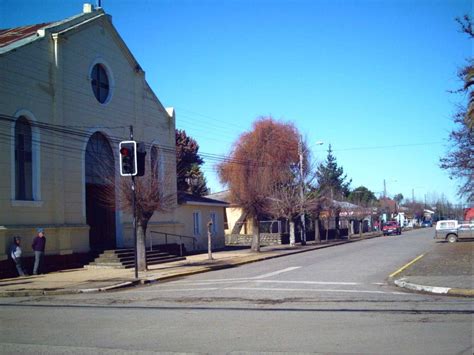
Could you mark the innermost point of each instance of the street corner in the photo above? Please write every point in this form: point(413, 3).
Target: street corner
point(407, 284)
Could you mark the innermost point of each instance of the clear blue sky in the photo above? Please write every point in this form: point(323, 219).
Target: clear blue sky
point(370, 77)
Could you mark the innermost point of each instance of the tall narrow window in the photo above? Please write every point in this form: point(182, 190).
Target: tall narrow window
point(197, 223)
point(23, 160)
point(213, 216)
point(100, 83)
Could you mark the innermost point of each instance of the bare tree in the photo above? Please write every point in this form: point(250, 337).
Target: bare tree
point(260, 159)
point(459, 159)
point(152, 194)
point(288, 200)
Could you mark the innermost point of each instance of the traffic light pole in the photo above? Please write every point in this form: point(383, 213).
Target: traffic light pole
point(134, 227)
point(134, 217)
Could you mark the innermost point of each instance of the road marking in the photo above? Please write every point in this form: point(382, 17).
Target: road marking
point(270, 274)
point(311, 290)
point(406, 265)
point(269, 289)
point(238, 281)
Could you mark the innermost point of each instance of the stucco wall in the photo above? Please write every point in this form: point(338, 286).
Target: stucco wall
point(185, 215)
point(53, 86)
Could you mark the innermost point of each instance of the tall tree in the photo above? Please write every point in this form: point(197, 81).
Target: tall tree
point(362, 196)
point(398, 197)
point(188, 165)
point(459, 160)
point(331, 178)
point(260, 160)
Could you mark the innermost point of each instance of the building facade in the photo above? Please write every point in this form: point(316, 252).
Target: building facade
point(69, 92)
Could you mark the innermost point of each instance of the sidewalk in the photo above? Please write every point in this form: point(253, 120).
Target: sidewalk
point(96, 280)
point(447, 268)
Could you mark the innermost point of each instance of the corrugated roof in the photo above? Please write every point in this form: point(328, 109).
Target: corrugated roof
point(188, 198)
point(11, 35)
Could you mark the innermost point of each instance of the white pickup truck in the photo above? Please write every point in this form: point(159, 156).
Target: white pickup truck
point(452, 230)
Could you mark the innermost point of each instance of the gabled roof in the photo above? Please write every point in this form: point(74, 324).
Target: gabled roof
point(188, 199)
point(13, 38)
point(222, 196)
point(12, 35)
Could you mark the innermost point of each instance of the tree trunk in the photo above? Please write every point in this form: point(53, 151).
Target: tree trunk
point(238, 225)
point(141, 245)
point(292, 233)
point(256, 236)
point(327, 229)
point(317, 235)
point(338, 232)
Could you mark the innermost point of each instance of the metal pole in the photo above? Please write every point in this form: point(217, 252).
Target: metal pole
point(303, 222)
point(135, 242)
point(135, 227)
point(209, 242)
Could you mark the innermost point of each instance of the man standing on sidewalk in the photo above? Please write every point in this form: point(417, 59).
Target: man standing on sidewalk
point(38, 246)
point(15, 254)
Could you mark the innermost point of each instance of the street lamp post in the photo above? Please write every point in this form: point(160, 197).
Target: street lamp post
point(302, 188)
point(303, 222)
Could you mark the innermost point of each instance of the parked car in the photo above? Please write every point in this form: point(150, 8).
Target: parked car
point(391, 227)
point(452, 230)
point(426, 224)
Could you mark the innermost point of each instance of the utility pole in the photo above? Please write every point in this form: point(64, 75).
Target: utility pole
point(384, 189)
point(303, 222)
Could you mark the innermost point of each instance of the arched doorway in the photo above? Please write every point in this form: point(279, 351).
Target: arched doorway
point(100, 193)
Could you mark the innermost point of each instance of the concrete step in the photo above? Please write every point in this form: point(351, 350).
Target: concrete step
point(125, 258)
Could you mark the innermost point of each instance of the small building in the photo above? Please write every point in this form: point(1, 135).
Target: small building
point(196, 212)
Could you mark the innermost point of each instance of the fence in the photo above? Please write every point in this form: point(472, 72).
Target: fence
point(167, 236)
point(274, 226)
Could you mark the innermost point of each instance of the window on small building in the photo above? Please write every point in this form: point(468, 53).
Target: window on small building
point(213, 216)
point(23, 160)
point(197, 223)
point(100, 83)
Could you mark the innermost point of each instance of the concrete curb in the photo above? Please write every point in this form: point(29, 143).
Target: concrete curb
point(205, 268)
point(434, 289)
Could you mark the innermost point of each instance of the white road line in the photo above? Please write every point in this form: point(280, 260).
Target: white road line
point(308, 282)
point(270, 274)
point(310, 290)
point(268, 289)
point(210, 282)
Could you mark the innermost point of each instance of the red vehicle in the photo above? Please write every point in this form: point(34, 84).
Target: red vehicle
point(391, 227)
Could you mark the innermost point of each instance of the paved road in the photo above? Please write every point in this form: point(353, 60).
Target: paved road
point(334, 300)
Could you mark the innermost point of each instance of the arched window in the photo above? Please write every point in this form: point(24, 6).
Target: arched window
point(23, 160)
point(100, 161)
point(100, 83)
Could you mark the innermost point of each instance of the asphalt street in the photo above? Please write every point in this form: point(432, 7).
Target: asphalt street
point(335, 300)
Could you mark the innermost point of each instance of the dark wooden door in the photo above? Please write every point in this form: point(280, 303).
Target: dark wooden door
point(100, 199)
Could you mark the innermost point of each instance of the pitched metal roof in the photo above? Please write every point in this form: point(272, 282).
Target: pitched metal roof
point(11, 35)
point(185, 198)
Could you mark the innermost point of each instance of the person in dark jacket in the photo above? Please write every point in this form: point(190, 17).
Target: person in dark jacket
point(39, 243)
point(15, 254)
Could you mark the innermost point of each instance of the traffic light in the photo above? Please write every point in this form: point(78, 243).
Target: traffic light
point(141, 153)
point(128, 158)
